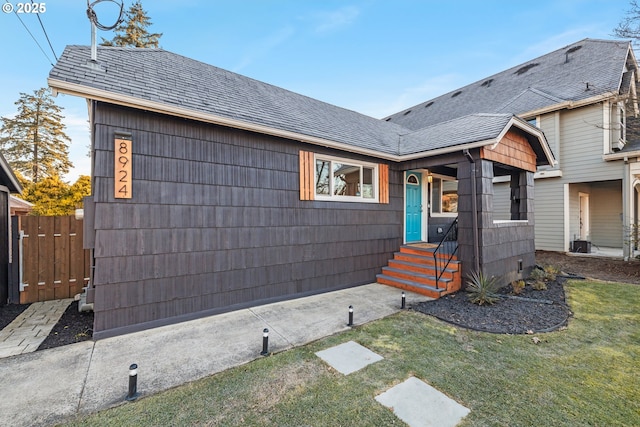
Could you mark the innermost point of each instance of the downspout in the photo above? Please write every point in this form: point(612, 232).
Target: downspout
point(627, 226)
point(474, 209)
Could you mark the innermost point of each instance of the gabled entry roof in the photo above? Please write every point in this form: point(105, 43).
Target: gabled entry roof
point(167, 83)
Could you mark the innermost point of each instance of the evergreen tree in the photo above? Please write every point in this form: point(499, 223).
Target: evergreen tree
point(132, 31)
point(34, 142)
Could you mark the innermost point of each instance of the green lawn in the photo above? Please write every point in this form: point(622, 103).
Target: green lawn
point(584, 375)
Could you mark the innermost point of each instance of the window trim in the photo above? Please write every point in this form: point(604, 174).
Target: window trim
point(337, 198)
point(440, 214)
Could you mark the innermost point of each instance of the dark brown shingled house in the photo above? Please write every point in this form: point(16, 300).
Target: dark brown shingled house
point(213, 191)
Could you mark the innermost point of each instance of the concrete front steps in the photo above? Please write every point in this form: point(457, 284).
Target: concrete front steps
point(413, 269)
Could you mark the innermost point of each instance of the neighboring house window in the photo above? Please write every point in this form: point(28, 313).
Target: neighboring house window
point(621, 122)
point(333, 178)
point(444, 197)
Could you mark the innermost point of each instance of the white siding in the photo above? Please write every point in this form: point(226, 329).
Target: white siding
point(577, 138)
point(581, 149)
point(606, 214)
point(549, 124)
point(549, 214)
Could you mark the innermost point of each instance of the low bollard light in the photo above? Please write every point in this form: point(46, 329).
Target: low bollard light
point(404, 301)
point(265, 342)
point(350, 316)
point(133, 382)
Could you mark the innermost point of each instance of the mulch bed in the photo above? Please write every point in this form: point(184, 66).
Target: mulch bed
point(72, 327)
point(511, 316)
point(530, 311)
point(10, 312)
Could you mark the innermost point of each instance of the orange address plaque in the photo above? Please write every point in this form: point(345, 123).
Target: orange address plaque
point(122, 173)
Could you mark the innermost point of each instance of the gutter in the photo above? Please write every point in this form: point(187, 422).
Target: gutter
point(569, 105)
point(623, 155)
point(59, 86)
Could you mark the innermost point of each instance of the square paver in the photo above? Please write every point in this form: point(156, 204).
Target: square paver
point(418, 404)
point(348, 357)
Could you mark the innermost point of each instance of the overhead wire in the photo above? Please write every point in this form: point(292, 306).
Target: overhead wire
point(32, 36)
point(46, 35)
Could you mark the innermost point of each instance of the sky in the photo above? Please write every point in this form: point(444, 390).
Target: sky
point(376, 57)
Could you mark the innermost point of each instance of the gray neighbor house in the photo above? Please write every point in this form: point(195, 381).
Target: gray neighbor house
point(212, 191)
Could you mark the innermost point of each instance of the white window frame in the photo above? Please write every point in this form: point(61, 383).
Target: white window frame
point(439, 214)
point(622, 122)
point(338, 198)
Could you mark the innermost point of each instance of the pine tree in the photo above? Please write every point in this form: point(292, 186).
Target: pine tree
point(132, 31)
point(34, 142)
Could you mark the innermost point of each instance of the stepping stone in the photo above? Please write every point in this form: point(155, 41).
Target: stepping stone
point(418, 404)
point(348, 357)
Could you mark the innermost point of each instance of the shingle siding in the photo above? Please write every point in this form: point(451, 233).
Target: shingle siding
point(215, 222)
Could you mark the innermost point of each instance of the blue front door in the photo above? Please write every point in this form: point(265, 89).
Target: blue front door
point(413, 220)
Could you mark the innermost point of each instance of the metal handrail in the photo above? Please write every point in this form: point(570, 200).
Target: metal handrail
point(447, 246)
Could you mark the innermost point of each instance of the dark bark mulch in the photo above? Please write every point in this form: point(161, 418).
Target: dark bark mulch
point(531, 310)
point(9, 312)
point(72, 327)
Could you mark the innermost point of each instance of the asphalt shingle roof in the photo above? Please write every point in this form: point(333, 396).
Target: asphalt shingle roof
point(462, 130)
point(171, 80)
point(559, 76)
point(174, 80)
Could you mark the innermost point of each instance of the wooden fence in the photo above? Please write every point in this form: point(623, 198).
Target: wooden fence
point(54, 263)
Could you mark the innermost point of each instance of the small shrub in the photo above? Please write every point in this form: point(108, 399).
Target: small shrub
point(551, 272)
point(537, 274)
point(539, 285)
point(517, 286)
point(482, 289)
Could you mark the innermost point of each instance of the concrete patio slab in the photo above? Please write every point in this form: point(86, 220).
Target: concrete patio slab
point(348, 357)
point(420, 405)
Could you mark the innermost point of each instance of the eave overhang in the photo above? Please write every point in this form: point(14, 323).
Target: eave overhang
point(74, 89)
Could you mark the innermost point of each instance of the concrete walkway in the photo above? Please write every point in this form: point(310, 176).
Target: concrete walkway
point(49, 386)
point(31, 327)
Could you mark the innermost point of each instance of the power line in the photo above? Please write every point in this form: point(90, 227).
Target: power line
point(45, 34)
point(34, 39)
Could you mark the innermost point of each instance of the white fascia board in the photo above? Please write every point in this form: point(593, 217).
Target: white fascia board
point(555, 173)
point(569, 105)
point(621, 155)
point(527, 127)
point(82, 91)
point(157, 107)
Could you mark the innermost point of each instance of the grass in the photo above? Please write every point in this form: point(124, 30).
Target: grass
point(584, 375)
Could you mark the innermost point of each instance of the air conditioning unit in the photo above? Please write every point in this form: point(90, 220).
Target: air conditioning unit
point(581, 246)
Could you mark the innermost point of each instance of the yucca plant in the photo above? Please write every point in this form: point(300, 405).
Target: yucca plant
point(482, 289)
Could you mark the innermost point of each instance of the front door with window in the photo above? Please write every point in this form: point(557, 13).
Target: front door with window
point(413, 220)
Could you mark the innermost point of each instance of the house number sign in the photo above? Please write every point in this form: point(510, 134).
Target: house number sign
point(122, 174)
